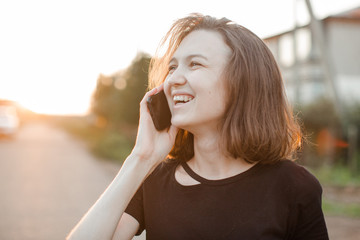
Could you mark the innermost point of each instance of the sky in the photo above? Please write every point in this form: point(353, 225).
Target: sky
point(52, 51)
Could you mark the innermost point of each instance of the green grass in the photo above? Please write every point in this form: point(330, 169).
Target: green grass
point(112, 145)
point(339, 176)
point(341, 209)
point(107, 143)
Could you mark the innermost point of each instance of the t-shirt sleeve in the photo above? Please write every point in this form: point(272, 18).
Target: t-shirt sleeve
point(136, 209)
point(310, 222)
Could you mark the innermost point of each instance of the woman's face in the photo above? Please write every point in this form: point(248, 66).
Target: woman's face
point(194, 88)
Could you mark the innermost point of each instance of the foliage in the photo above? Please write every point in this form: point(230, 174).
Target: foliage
point(117, 97)
point(111, 145)
point(328, 136)
point(318, 115)
point(104, 143)
point(352, 113)
point(115, 107)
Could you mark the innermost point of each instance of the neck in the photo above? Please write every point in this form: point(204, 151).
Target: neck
point(211, 162)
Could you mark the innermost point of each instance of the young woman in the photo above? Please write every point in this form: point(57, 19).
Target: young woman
point(222, 169)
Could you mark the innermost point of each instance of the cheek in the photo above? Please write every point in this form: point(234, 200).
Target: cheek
point(218, 97)
point(167, 89)
point(214, 99)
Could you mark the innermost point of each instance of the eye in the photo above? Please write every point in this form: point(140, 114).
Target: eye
point(172, 68)
point(194, 64)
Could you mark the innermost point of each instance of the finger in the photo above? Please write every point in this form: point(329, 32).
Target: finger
point(147, 95)
point(173, 131)
point(161, 87)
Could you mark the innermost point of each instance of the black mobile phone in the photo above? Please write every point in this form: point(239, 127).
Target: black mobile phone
point(159, 110)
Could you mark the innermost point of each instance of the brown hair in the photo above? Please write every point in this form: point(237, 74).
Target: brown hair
point(258, 124)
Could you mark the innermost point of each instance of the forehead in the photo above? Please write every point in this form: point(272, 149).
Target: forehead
point(207, 43)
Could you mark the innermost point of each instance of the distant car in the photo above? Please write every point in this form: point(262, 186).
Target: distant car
point(9, 120)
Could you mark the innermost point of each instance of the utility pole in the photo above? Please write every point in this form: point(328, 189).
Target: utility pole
point(317, 31)
point(326, 64)
point(296, 77)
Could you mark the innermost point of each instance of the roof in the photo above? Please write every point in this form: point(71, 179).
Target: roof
point(350, 16)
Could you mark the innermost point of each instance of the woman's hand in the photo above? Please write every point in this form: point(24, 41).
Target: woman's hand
point(152, 145)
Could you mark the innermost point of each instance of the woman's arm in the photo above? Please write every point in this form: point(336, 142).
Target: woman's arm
point(101, 220)
point(151, 147)
point(127, 228)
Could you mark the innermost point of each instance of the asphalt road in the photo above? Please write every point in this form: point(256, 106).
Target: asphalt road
point(48, 180)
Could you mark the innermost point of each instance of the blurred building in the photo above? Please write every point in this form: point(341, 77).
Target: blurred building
point(301, 58)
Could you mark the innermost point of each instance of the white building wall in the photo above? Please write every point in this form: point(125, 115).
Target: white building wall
point(344, 47)
point(343, 41)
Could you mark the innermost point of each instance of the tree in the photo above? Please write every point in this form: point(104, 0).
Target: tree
point(117, 97)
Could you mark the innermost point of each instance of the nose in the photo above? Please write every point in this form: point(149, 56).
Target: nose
point(176, 78)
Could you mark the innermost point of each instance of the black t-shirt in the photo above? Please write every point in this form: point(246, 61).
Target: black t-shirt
point(279, 201)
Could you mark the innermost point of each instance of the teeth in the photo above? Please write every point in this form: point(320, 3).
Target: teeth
point(182, 98)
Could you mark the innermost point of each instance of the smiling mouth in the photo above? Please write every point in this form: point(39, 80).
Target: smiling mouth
point(181, 99)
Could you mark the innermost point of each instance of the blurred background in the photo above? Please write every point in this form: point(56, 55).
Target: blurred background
point(72, 74)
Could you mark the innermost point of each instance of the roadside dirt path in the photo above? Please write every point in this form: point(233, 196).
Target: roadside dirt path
point(48, 180)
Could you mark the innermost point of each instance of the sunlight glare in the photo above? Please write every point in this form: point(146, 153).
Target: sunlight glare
point(52, 52)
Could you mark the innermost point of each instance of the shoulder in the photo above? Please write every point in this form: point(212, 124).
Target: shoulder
point(298, 180)
point(292, 170)
point(298, 174)
point(164, 170)
point(306, 217)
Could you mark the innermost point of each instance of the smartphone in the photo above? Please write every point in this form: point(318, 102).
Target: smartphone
point(159, 110)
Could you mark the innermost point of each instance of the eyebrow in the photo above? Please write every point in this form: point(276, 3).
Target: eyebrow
point(190, 57)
